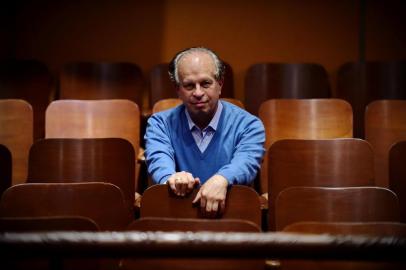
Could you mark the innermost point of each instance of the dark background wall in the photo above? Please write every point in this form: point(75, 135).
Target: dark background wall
point(242, 32)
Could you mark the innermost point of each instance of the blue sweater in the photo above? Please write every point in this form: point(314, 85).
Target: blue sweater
point(234, 152)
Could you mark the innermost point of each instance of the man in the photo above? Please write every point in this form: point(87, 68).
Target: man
point(204, 141)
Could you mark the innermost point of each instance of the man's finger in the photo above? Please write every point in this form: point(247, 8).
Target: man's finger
point(171, 183)
point(197, 198)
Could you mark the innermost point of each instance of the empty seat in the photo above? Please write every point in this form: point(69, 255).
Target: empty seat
point(192, 225)
point(103, 203)
point(169, 103)
point(328, 163)
point(31, 81)
point(284, 80)
point(397, 175)
point(351, 204)
point(46, 224)
point(363, 82)
point(5, 168)
point(92, 80)
point(95, 119)
point(158, 201)
point(162, 87)
point(84, 160)
point(385, 124)
point(303, 119)
point(16, 133)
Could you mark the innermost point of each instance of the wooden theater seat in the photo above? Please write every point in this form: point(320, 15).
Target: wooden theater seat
point(327, 163)
point(16, 133)
point(303, 119)
point(103, 203)
point(385, 124)
point(158, 201)
point(345, 204)
point(265, 81)
point(192, 225)
point(82, 160)
point(397, 175)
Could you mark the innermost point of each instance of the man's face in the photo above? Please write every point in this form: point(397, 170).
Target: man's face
point(198, 88)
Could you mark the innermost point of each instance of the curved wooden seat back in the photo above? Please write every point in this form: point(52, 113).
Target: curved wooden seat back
point(345, 228)
point(61, 223)
point(16, 133)
point(363, 82)
point(397, 175)
point(104, 203)
point(92, 80)
point(5, 168)
point(31, 81)
point(95, 119)
point(82, 160)
point(165, 104)
point(158, 201)
point(161, 86)
point(351, 204)
point(265, 81)
point(325, 163)
point(385, 124)
point(372, 229)
point(192, 225)
point(303, 119)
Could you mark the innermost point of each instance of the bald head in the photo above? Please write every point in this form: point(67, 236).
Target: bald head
point(193, 56)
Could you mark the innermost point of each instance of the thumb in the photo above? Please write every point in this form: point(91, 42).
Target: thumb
point(197, 181)
point(197, 198)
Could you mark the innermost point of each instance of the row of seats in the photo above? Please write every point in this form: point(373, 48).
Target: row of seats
point(68, 158)
point(282, 118)
point(358, 83)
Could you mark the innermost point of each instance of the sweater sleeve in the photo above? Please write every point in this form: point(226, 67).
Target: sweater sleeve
point(247, 155)
point(159, 152)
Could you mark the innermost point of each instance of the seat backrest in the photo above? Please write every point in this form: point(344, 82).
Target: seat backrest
point(5, 168)
point(161, 86)
point(192, 225)
point(158, 201)
point(346, 204)
point(265, 81)
point(92, 80)
point(397, 175)
point(327, 163)
point(16, 133)
point(345, 228)
point(62, 223)
point(82, 160)
point(31, 81)
point(385, 124)
point(303, 119)
point(104, 203)
point(95, 119)
point(363, 82)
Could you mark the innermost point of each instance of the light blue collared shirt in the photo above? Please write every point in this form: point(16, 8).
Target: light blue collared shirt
point(203, 137)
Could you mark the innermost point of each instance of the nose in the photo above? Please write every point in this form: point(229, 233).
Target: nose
point(199, 92)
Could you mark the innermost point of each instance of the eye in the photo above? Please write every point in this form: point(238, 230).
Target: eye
point(206, 84)
point(189, 86)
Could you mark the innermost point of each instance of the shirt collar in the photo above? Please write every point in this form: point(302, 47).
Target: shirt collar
point(214, 121)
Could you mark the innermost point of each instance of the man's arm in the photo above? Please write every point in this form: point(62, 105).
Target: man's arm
point(159, 153)
point(160, 158)
point(247, 156)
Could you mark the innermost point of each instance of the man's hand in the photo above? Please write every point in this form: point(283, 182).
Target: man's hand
point(182, 183)
point(212, 196)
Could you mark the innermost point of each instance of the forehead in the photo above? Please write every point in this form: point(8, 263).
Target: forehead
point(196, 64)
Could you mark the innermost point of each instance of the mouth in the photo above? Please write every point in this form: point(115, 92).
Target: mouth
point(199, 104)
